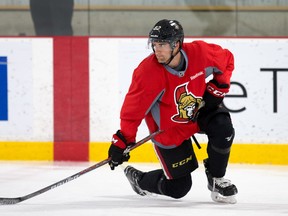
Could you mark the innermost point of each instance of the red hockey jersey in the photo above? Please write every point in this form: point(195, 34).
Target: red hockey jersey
point(166, 98)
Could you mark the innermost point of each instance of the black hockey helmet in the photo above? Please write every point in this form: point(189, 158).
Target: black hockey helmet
point(165, 30)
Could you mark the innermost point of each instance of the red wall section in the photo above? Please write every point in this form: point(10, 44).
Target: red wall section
point(71, 98)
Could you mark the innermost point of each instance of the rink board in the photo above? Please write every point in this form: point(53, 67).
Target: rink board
point(61, 97)
point(241, 153)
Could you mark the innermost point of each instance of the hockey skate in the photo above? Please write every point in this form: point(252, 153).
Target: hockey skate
point(134, 175)
point(222, 190)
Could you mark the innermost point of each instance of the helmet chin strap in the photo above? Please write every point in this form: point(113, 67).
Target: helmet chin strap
point(172, 57)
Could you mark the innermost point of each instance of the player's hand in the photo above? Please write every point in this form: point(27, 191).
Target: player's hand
point(214, 94)
point(116, 150)
point(198, 108)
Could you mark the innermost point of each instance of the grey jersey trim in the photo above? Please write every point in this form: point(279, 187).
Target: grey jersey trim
point(154, 108)
point(210, 70)
point(175, 72)
point(155, 111)
point(163, 146)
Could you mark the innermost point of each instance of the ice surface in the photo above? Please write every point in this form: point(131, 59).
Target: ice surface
point(263, 190)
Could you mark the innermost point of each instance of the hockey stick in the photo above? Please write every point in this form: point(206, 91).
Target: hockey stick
point(11, 201)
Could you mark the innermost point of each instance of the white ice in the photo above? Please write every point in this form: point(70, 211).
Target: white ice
point(263, 190)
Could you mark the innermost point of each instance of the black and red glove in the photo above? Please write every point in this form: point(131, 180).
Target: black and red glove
point(116, 150)
point(214, 94)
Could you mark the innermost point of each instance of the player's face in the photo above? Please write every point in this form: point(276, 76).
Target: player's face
point(162, 51)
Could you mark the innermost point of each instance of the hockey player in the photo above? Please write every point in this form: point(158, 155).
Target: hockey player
point(169, 90)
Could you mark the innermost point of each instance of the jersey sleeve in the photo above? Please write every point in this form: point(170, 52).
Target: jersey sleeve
point(222, 59)
point(142, 94)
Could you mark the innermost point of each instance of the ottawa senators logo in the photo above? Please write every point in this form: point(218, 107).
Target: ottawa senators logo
point(187, 104)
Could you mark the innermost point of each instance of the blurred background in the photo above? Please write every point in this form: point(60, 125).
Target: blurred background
point(136, 17)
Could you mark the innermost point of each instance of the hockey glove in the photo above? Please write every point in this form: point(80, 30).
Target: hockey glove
point(197, 110)
point(116, 150)
point(214, 94)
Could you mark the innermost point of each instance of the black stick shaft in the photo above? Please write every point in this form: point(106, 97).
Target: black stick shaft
point(11, 201)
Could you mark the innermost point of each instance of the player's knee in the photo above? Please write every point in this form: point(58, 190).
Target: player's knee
point(220, 128)
point(220, 122)
point(177, 188)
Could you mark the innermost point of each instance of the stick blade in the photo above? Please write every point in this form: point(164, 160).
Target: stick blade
point(10, 201)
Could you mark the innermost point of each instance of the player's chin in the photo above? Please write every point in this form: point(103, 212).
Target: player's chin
point(161, 60)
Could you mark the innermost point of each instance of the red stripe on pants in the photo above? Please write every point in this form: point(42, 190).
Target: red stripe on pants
point(71, 98)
